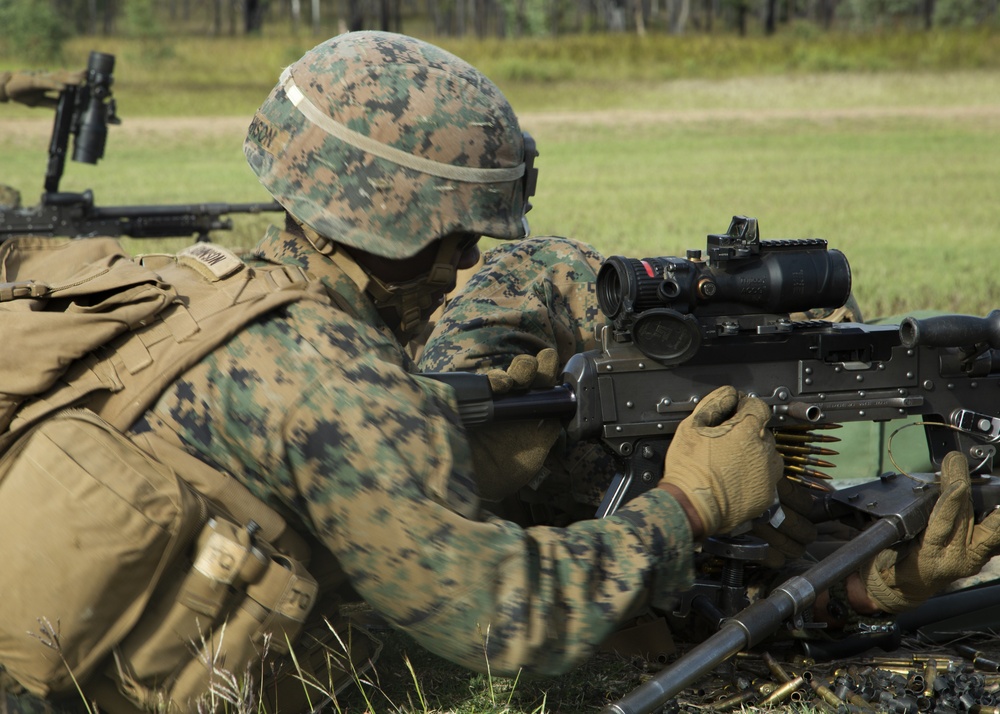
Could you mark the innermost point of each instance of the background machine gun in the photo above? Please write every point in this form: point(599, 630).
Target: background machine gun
point(84, 112)
point(677, 328)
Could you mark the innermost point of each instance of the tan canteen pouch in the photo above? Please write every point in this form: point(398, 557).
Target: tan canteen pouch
point(108, 552)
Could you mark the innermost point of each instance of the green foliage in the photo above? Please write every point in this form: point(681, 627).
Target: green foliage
point(964, 13)
point(140, 20)
point(32, 30)
point(525, 18)
point(142, 24)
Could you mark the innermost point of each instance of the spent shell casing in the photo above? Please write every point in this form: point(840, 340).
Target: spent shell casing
point(983, 709)
point(782, 692)
point(979, 660)
point(823, 691)
point(744, 697)
point(775, 666)
point(930, 674)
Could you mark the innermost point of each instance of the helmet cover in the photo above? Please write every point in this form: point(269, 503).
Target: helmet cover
point(387, 143)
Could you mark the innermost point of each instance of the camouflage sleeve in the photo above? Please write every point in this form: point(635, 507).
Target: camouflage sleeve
point(319, 413)
point(490, 593)
point(528, 295)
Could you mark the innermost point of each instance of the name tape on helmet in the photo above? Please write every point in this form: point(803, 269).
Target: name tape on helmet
point(466, 174)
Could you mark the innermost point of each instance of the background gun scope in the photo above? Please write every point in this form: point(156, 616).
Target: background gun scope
point(783, 276)
point(98, 109)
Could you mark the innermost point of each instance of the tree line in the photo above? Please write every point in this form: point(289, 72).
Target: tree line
point(494, 18)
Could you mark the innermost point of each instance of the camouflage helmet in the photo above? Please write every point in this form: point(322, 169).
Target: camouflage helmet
point(386, 143)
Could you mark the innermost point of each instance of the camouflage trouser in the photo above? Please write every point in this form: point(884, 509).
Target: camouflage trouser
point(527, 296)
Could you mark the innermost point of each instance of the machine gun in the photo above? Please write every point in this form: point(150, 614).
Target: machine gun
point(680, 327)
point(84, 112)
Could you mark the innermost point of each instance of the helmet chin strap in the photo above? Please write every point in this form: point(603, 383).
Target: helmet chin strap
point(404, 306)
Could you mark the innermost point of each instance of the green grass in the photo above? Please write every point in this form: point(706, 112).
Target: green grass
point(900, 171)
point(909, 201)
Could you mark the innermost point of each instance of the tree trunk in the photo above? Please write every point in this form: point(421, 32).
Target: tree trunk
point(640, 21)
point(828, 8)
point(108, 21)
point(683, 13)
point(316, 17)
point(741, 17)
point(356, 15)
point(91, 17)
point(770, 17)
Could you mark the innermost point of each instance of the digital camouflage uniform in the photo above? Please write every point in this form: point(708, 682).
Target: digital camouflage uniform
point(317, 410)
point(528, 296)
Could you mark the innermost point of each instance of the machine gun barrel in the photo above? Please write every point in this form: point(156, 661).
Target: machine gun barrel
point(759, 620)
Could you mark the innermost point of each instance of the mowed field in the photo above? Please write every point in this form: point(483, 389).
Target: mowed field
point(900, 170)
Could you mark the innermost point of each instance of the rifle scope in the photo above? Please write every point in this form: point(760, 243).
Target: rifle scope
point(781, 276)
point(97, 109)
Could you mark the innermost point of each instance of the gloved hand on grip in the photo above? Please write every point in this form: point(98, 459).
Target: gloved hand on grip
point(37, 88)
point(723, 460)
point(506, 456)
point(952, 546)
point(525, 372)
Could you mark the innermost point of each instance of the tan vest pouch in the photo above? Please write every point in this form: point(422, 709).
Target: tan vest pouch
point(88, 526)
point(92, 293)
point(236, 601)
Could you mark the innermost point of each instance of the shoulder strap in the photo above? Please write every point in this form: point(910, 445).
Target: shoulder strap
point(220, 295)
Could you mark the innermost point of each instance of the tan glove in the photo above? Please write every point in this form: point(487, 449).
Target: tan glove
point(37, 88)
point(507, 456)
point(790, 538)
point(526, 372)
point(723, 459)
point(951, 547)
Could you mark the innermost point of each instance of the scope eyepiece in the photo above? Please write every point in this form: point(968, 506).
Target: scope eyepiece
point(623, 283)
